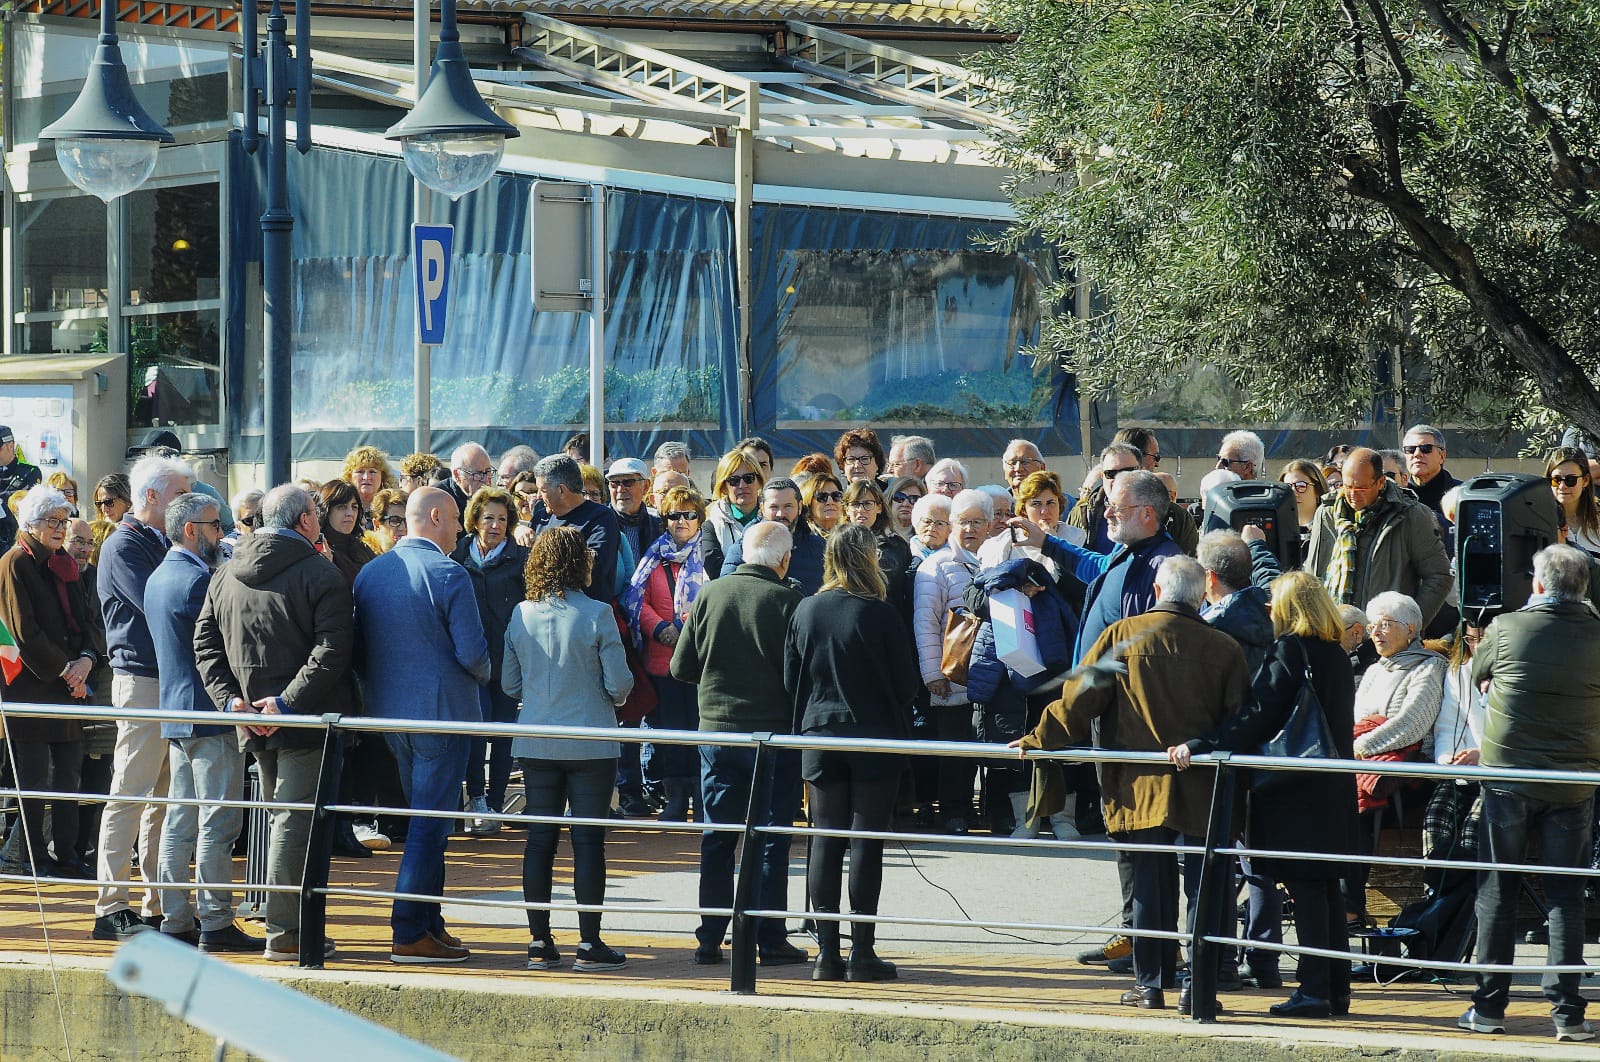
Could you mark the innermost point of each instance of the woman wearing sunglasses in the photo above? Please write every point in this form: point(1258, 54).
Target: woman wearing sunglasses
point(1306, 480)
point(902, 494)
point(1567, 469)
point(737, 490)
point(112, 497)
point(657, 601)
point(823, 496)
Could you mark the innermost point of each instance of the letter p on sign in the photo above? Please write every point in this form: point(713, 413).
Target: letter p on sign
point(431, 247)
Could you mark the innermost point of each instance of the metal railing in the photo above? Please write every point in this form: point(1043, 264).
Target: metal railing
point(1218, 851)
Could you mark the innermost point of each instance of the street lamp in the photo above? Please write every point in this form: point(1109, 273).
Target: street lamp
point(451, 141)
point(106, 143)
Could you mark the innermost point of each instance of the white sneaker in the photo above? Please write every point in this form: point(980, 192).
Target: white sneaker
point(1578, 1030)
point(371, 838)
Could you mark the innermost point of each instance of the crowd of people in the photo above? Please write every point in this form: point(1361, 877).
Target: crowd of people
point(871, 593)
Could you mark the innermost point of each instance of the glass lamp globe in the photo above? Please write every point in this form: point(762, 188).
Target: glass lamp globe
point(453, 164)
point(106, 167)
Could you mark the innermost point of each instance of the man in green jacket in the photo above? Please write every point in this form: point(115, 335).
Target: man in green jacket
point(1540, 667)
point(732, 647)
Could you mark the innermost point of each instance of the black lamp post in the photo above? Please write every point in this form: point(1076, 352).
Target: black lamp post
point(459, 145)
point(106, 143)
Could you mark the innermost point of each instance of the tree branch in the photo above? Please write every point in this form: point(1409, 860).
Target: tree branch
point(1575, 175)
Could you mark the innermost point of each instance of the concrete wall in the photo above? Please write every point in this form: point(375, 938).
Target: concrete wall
point(480, 1018)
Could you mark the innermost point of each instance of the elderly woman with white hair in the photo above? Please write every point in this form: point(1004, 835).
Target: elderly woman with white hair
point(930, 520)
point(940, 582)
point(1397, 705)
point(43, 605)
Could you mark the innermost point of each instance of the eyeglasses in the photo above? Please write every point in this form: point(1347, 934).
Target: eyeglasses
point(1569, 480)
point(1225, 462)
point(1386, 625)
point(826, 496)
point(948, 484)
point(863, 503)
point(54, 523)
point(972, 525)
point(1388, 474)
point(1154, 458)
point(630, 482)
point(71, 494)
point(859, 459)
point(1298, 486)
point(687, 514)
point(252, 521)
point(396, 522)
point(477, 475)
point(1418, 448)
point(742, 479)
point(104, 503)
point(207, 523)
point(594, 495)
point(900, 497)
point(1021, 462)
point(1113, 473)
point(929, 521)
point(1122, 510)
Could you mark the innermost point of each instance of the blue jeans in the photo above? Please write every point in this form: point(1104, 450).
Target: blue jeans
point(431, 769)
point(725, 775)
point(497, 708)
point(1510, 821)
point(203, 768)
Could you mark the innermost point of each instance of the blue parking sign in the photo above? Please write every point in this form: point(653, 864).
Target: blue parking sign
point(430, 256)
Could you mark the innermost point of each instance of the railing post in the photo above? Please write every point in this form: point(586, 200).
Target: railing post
point(319, 849)
point(1215, 876)
point(743, 973)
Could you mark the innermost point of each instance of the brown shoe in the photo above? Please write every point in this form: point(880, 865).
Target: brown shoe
point(450, 940)
point(429, 949)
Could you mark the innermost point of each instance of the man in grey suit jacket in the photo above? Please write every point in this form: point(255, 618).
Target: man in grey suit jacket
point(204, 757)
point(421, 650)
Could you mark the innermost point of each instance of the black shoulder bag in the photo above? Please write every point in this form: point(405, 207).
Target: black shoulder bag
point(1305, 735)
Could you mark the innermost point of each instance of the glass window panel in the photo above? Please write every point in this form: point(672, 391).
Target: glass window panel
point(174, 376)
point(61, 254)
point(79, 335)
point(178, 82)
point(903, 337)
point(174, 244)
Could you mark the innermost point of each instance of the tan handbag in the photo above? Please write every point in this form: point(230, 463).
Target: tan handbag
point(960, 631)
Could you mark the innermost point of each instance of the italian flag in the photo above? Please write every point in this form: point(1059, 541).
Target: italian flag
point(10, 657)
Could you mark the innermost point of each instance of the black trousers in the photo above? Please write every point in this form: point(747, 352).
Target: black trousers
point(1319, 922)
point(56, 766)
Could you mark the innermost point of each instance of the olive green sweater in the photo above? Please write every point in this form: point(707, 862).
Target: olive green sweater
point(732, 647)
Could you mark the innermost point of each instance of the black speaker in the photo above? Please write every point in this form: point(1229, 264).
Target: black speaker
point(1269, 506)
point(1502, 520)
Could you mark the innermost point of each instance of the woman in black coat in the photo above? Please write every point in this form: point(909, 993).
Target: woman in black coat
point(1317, 811)
point(495, 564)
point(850, 671)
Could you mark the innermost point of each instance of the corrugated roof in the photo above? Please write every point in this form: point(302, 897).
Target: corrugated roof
point(941, 14)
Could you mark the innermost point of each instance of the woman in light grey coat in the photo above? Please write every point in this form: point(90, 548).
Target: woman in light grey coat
point(564, 661)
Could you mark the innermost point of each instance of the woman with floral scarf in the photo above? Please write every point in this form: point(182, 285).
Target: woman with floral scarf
point(657, 602)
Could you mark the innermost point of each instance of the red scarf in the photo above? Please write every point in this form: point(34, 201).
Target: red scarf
point(63, 570)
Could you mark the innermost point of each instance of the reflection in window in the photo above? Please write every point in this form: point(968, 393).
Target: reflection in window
point(174, 372)
point(61, 266)
point(174, 244)
point(909, 337)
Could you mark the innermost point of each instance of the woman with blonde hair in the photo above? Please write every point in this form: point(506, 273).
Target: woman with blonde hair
point(366, 468)
point(822, 495)
point(1305, 812)
point(834, 695)
point(735, 505)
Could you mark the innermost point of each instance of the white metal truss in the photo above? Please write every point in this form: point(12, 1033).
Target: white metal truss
point(896, 74)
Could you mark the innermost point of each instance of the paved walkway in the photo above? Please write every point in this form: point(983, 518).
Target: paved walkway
point(652, 868)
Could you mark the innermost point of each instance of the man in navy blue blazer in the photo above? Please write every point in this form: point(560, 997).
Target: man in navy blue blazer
point(204, 757)
point(421, 650)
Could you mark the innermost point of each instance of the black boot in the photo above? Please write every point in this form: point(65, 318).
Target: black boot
point(830, 965)
point(677, 800)
point(864, 964)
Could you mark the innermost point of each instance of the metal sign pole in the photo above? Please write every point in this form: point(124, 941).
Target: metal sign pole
point(421, 353)
point(597, 325)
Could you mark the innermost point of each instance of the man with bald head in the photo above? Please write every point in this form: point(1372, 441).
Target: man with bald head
point(422, 654)
point(1376, 537)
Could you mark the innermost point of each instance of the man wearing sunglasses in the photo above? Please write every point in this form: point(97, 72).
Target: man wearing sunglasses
point(1424, 451)
point(1089, 514)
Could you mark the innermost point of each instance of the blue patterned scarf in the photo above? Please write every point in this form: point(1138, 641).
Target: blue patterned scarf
point(691, 577)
